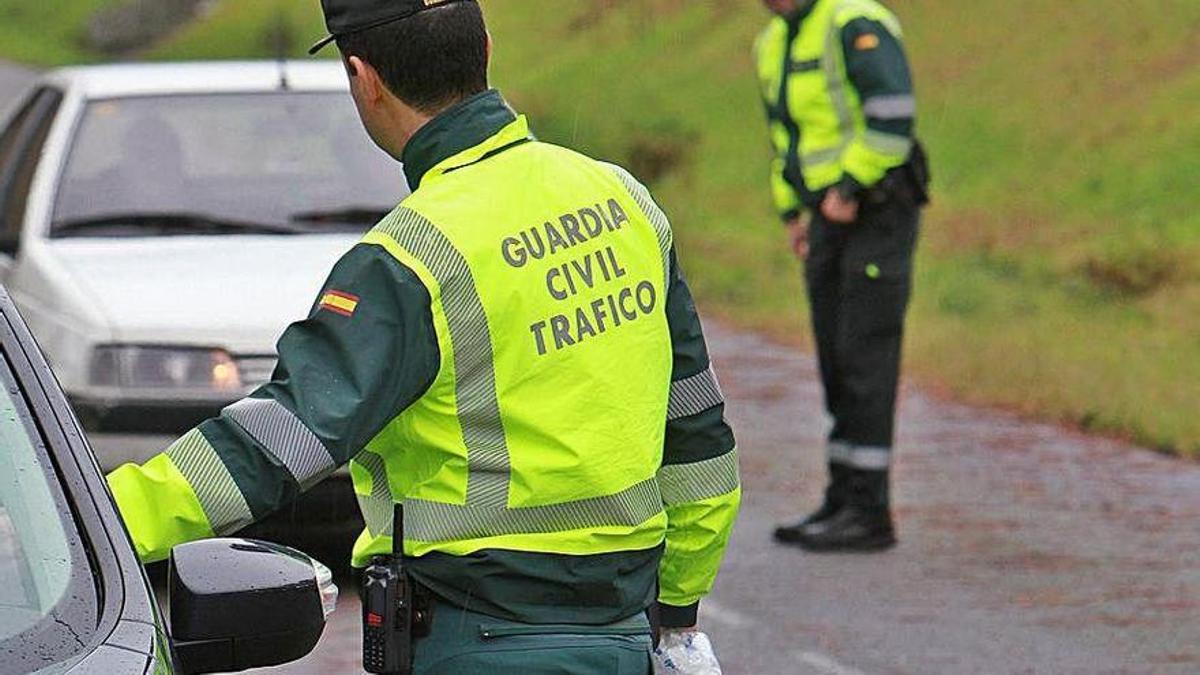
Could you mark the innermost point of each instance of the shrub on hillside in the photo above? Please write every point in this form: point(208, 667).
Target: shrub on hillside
point(136, 24)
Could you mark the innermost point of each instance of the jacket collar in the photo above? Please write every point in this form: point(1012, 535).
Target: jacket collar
point(448, 141)
point(806, 8)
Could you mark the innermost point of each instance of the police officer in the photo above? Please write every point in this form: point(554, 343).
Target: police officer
point(848, 180)
point(513, 353)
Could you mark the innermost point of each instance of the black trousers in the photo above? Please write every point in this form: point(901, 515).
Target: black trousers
point(859, 282)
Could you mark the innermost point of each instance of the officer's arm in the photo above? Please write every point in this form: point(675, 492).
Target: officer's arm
point(783, 193)
point(786, 199)
point(879, 70)
point(699, 478)
point(366, 352)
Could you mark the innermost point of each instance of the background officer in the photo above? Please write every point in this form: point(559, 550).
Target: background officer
point(559, 445)
point(848, 180)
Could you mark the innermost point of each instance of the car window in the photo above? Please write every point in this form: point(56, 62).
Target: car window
point(17, 178)
point(33, 545)
point(265, 158)
point(20, 152)
point(8, 138)
point(48, 602)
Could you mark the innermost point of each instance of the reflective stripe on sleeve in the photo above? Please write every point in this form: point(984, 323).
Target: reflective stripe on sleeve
point(694, 395)
point(214, 486)
point(684, 483)
point(285, 437)
point(815, 159)
point(901, 106)
point(887, 144)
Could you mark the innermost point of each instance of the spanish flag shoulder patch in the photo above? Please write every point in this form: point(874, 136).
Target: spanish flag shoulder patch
point(339, 302)
point(866, 42)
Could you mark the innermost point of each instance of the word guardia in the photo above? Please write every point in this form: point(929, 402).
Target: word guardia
point(575, 276)
point(572, 230)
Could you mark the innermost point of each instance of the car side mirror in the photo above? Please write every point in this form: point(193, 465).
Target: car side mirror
point(240, 603)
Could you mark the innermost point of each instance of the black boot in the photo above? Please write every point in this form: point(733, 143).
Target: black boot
point(854, 529)
point(863, 524)
point(835, 498)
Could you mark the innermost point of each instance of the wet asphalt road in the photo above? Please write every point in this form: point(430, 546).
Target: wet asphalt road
point(1024, 548)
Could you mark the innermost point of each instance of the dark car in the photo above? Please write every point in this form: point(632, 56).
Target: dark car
point(74, 596)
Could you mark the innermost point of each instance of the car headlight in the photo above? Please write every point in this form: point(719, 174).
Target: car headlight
point(164, 368)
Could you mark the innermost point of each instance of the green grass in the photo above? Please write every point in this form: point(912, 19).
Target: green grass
point(34, 34)
point(244, 29)
point(1059, 271)
point(1058, 274)
point(46, 34)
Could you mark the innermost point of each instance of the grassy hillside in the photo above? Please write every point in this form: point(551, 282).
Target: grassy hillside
point(32, 34)
point(1058, 273)
point(257, 29)
point(36, 33)
point(1060, 267)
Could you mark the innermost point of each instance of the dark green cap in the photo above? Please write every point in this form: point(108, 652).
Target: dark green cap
point(343, 17)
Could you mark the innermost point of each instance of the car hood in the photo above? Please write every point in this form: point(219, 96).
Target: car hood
point(237, 292)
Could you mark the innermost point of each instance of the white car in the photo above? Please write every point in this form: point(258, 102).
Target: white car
point(160, 225)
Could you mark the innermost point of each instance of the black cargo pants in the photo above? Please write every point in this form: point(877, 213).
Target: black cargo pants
point(859, 282)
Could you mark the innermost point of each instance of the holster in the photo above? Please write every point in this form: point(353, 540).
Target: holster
point(907, 184)
point(424, 601)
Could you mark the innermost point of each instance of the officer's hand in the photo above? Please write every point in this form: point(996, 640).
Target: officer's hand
point(838, 209)
point(685, 652)
point(798, 236)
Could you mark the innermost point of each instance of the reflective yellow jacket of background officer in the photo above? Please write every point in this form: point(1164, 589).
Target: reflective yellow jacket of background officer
point(514, 354)
point(839, 99)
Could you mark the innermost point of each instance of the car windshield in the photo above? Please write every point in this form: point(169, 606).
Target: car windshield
point(37, 556)
point(264, 163)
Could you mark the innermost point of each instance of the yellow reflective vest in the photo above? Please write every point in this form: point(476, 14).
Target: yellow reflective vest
point(839, 100)
point(514, 355)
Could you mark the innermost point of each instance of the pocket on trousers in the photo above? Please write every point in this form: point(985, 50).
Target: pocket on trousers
point(875, 295)
point(872, 309)
point(549, 660)
point(881, 252)
point(561, 649)
point(489, 632)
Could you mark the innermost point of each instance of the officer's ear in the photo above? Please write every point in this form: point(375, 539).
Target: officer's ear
point(350, 69)
point(489, 46)
point(364, 79)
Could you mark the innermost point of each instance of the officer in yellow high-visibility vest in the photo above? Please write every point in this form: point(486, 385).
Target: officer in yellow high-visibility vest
point(513, 353)
point(849, 181)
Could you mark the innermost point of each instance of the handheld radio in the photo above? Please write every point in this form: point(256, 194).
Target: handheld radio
point(388, 609)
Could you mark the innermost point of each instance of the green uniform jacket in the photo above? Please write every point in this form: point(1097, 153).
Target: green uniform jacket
point(838, 93)
point(515, 355)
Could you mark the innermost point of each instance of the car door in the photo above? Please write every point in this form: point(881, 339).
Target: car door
point(21, 147)
point(74, 597)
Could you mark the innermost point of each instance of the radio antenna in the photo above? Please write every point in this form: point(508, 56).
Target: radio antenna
point(398, 533)
point(281, 37)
